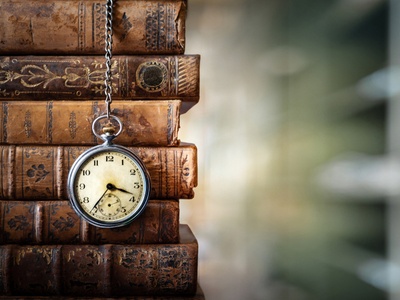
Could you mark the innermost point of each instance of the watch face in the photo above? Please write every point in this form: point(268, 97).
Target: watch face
point(108, 186)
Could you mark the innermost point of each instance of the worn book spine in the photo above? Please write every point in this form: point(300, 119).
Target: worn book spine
point(55, 222)
point(100, 270)
point(150, 123)
point(40, 172)
point(63, 27)
point(82, 77)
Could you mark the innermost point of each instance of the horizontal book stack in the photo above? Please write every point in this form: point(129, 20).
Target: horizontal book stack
point(52, 71)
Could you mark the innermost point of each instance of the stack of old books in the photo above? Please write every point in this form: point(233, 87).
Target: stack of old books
point(51, 88)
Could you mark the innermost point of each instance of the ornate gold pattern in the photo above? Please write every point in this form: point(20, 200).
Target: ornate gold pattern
point(47, 254)
point(34, 75)
point(187, 83)
point(96, 255)
point(152, 76)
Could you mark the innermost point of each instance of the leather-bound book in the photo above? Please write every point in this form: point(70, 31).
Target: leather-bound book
point(135, 77)
point(55, 222)
point(150, 123)
point(65, 27)
point(101, 270)
point(40, 172)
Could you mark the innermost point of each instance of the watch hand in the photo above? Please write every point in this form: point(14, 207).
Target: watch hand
point(99, 199)
point(110, 186)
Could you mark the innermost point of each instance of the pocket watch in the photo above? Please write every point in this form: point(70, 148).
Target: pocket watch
point(108, 185)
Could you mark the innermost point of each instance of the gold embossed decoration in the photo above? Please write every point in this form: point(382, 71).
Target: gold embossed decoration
point(151, 76)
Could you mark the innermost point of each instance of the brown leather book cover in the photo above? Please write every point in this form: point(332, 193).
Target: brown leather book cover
point(55, 222)
point(101, 270)
point(150, 123)
point(81, 78)
point(40, 172)
point(78, 27)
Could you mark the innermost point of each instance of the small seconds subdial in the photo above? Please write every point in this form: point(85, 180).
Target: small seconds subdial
point(109, 205)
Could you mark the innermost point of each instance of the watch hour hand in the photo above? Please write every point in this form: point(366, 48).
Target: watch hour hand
point(124, 191)
point(110, 186)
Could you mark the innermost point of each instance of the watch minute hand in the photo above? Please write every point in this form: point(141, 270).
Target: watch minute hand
point(99, 199)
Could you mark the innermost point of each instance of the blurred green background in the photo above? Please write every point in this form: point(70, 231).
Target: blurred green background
point(297, 132)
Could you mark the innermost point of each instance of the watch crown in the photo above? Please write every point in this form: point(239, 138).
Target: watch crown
point(109, 129)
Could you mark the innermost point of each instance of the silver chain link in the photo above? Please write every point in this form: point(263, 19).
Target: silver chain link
point(108, 55)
